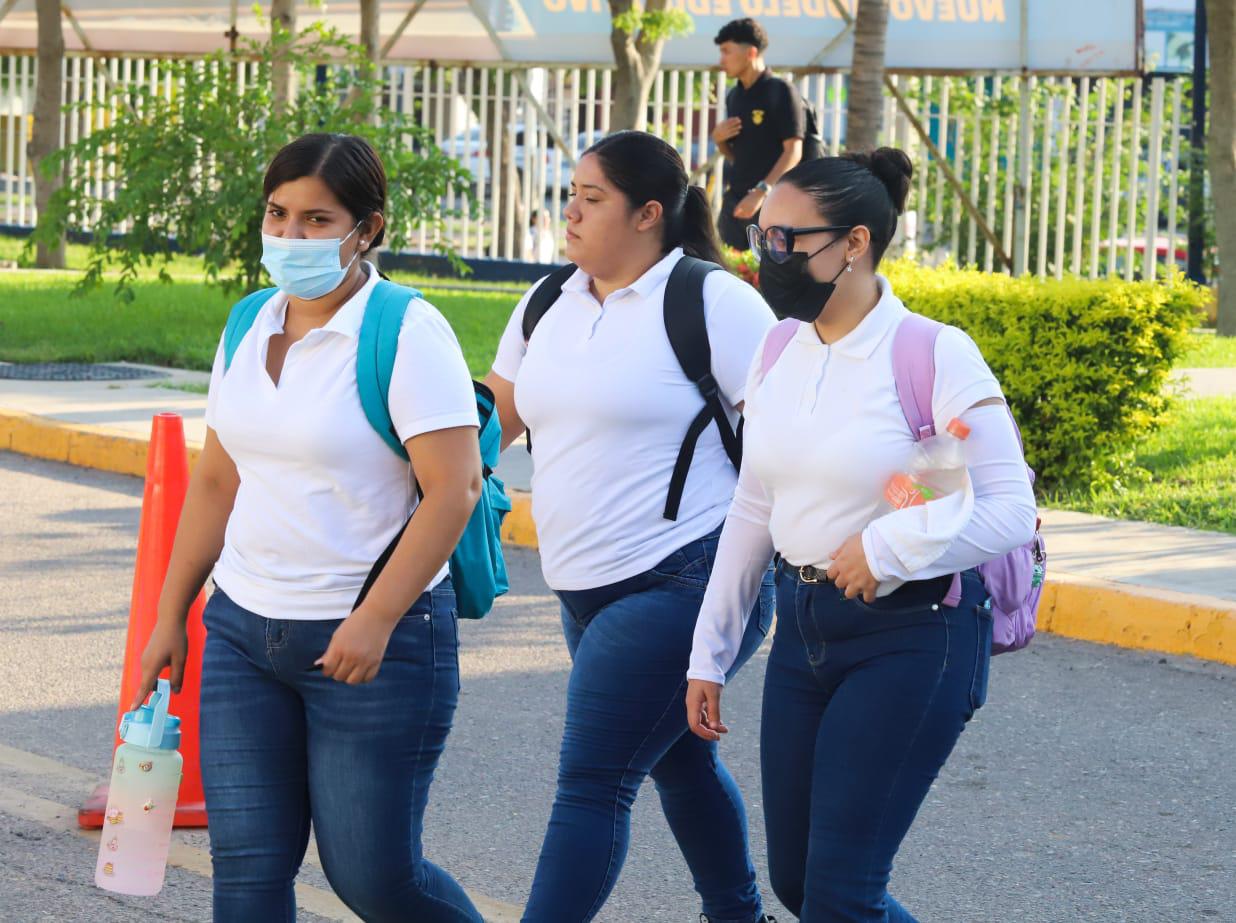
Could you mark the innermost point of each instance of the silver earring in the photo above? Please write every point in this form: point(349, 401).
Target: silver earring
point(850, 267)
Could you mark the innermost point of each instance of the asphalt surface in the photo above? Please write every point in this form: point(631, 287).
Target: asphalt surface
point(1096, 784)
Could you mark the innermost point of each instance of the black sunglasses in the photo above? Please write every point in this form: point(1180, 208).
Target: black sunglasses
point(777, 243)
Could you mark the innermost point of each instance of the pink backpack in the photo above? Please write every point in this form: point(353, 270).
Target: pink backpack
point(1014, 581)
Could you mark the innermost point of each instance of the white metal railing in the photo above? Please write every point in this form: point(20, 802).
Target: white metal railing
point(1107, 168)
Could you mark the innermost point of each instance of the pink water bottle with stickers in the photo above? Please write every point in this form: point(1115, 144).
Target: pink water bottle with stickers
point(141, 800)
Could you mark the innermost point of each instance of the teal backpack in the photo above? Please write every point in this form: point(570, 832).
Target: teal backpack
point(477, 568)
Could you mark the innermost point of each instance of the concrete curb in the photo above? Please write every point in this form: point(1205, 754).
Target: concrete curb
point(1145, 618)
point(76, 444)
point(1100, 611)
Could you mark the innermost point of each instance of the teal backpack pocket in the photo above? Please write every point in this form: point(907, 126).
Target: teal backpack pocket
point(477, 568)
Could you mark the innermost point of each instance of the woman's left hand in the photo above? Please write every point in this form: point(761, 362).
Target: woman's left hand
point(850, 572)
point(356, 649)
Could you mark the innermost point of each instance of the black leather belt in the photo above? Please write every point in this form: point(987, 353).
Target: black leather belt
point(808, 573)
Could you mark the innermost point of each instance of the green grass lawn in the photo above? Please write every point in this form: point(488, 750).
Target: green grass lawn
point(1188, 468)
point(1208, 351)
point(179, 324)
point(1189, 472)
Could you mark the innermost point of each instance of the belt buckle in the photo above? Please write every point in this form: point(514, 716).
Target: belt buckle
point(809, 574)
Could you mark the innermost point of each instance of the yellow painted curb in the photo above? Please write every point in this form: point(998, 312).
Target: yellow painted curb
point(518, 527)
point(75, 444)
point(1076, 607)
point(1139, 617)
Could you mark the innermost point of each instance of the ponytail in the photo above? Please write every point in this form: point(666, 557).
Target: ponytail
point(697, 231)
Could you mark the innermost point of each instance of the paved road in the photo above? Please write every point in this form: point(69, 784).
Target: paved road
point(1097, 784)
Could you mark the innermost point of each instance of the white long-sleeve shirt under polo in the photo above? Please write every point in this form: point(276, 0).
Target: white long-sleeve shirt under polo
point(321, 495)
point(824, 433)
point(608, 405)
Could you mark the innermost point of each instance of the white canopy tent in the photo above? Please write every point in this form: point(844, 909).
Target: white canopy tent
point(1057, 36)
point(444, 29)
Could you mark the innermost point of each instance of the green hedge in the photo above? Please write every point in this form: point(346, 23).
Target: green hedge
point(1084, 364)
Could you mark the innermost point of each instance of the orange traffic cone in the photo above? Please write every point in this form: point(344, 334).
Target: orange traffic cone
point(167, 481)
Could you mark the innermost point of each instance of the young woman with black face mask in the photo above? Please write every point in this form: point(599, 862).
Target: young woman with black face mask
point(880, 666)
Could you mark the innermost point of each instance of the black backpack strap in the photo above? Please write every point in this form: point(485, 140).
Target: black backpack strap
point(546, 294)
point(688, 336)
point(544, 297)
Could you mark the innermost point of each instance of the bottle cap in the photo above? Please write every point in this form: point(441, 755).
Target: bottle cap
point(958, 429)
point(150, 725)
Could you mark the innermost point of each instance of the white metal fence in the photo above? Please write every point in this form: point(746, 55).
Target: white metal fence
point(1077, 175)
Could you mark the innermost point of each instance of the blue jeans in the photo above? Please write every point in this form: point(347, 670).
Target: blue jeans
point(626, 719)
point(282, 745)
point(862, 707)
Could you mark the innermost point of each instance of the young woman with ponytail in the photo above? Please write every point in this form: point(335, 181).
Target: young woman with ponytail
point(876, 666)
point(608, 405)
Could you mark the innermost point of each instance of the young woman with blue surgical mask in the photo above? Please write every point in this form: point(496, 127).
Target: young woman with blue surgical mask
point(876, 666)
point(312, 712)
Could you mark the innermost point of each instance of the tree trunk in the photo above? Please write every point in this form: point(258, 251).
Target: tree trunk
point(629, 106)
point(1221, 22)
point(637, 59)
point(46, 139)
point(371, 39)
point(865, 109)
point(282, 17)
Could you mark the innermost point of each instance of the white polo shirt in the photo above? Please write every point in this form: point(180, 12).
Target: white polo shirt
point(608, 405)
point(321, 495)
point(825, 430)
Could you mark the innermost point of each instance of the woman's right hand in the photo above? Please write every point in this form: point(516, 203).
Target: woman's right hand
point(704, 709)
point(168, 647)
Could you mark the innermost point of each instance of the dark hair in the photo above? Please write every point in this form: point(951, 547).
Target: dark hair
point(647, 169)
point(349, 167)
point(744, 32)
point(859, 188)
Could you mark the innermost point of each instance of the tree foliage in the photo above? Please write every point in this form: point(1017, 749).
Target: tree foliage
point(187, 165)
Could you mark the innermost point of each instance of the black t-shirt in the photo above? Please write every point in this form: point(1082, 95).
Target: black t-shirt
point(772, 112)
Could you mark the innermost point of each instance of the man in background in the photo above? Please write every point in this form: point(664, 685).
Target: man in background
point(764, 132)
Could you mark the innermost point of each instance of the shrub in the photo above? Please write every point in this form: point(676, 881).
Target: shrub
point(743, 264)
point(1084, 364)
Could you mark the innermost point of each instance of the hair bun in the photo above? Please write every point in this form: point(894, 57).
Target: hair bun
point(892, 167)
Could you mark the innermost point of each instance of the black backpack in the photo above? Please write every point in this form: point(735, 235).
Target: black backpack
point(688, 337)
point(813, 143)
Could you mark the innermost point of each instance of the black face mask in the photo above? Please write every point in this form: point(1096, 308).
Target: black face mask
point(790, 289)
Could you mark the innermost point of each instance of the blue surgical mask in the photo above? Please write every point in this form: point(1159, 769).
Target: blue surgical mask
point(306, 268)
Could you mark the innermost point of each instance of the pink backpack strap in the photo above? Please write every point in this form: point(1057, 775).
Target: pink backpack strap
point(775, 343)
point(914, 371)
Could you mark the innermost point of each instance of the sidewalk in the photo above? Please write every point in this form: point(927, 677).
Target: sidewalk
point(1132, 584)
point(1207, 382)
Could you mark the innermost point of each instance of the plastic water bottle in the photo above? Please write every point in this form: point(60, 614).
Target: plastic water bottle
point(936, 469)
point(141, 800)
